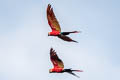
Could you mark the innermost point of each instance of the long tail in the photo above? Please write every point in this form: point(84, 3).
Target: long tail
point(70, 70)
point(67, 33)
point(77, 70)
point(75, 32)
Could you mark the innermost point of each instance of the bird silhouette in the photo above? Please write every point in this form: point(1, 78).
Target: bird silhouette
point(59, 65)
point(56, 30)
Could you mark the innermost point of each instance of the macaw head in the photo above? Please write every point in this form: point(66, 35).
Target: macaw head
point(50, 71)
point(48, 33)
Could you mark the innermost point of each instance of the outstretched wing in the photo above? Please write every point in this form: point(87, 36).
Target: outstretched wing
point(52, 21)
point(55, 59)
point(66, 38)
point(73, 74)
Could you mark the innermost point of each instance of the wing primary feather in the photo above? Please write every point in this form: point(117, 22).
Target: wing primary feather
point(66, 38)
point(52, 21)
point(57, 62)
point(73, 74)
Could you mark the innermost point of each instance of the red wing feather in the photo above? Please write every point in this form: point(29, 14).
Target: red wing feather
point(55, 59)
point(52, 21)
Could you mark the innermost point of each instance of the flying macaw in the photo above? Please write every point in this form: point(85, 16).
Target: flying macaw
point(54, 24)
point(59, 65)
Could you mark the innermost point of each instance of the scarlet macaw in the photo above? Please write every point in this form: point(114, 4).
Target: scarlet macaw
point(59, 65)
point(54, 24)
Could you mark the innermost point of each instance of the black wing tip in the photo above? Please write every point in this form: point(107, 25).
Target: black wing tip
point(74, 74)
point(51, 49)
point(49, 4)
point(74, 41)
point(49, 7)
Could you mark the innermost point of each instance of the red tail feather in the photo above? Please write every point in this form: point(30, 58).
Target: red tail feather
point(78, 70)
point(76, 31)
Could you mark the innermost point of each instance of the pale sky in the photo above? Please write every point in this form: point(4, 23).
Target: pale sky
point(24, 44)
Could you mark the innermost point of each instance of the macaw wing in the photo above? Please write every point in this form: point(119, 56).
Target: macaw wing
point(52, 21)
point(73, 74)
point(55, 59)
point(66, 38)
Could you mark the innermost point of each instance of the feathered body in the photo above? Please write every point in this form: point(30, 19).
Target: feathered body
point(59, 65)
point(54, 24)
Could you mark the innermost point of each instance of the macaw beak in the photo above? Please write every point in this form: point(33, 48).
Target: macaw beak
point(50, 71)
point(48, 34)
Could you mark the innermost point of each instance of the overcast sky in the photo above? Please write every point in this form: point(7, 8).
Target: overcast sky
point(24, 44)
